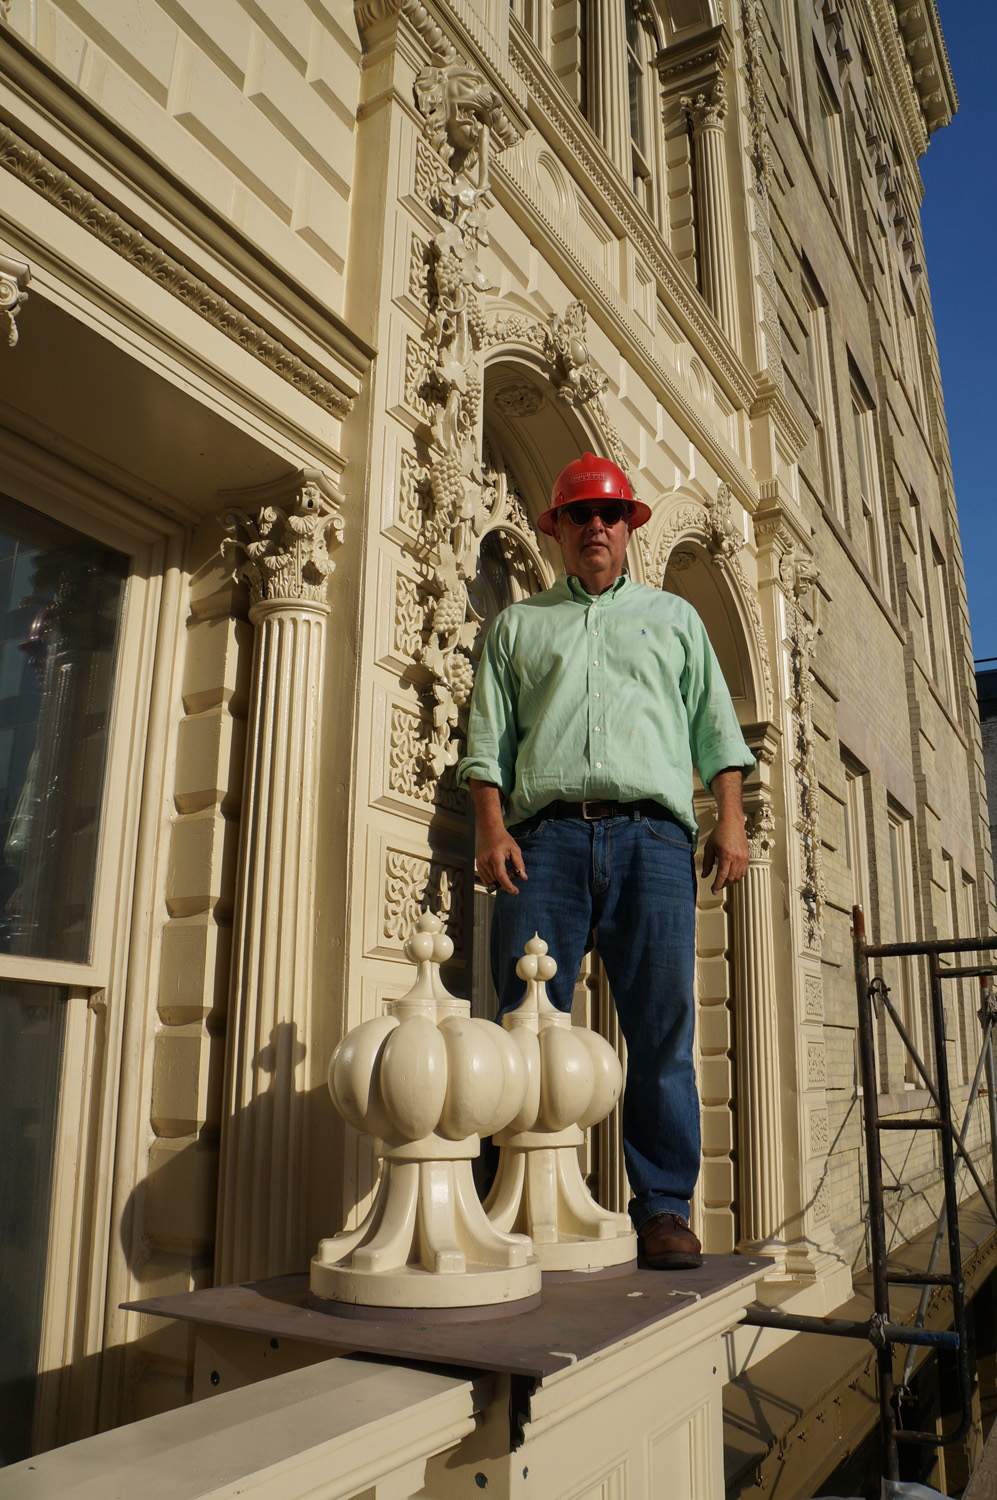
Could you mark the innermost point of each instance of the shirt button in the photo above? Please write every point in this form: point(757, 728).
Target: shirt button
point(595, 664)
point(598, 729)
point(598, 765)
point(596, 695)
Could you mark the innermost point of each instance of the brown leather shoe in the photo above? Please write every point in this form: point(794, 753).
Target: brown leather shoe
point(668, 1244)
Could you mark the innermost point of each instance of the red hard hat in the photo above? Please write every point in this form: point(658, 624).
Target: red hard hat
point(592, 478)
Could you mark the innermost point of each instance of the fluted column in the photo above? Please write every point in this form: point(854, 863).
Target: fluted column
point(608, 99)
point(282, 540)
point(706, 111)
point(762, 1206)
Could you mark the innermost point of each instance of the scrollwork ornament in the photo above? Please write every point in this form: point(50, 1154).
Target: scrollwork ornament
point(14, 277)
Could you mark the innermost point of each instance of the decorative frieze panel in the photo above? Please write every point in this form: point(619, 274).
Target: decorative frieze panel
point(406, 730)
point(816, 1058)
point(412, 493)
point(414, 883)
point(819, 1133)
point(409, 618)
point(813, 997)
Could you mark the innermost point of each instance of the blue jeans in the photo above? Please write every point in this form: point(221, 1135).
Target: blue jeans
point(626, 885)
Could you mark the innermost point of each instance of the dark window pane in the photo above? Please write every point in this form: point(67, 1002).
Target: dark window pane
point(32, 1020)
point(60, 606)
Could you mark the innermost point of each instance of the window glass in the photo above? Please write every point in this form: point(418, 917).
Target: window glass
point(60, 606)
point(32, 1019)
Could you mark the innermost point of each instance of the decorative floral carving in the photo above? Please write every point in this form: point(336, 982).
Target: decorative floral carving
point(284, 549)
point(753, 67)
point(519, 400)
point(798, 574)
point(723, 535)
point(86, 209)
point(14, 277)
point(576, 377)
point(413, 884)
point(463, 118)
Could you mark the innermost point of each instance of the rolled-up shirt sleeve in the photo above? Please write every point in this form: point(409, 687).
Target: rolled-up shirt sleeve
point(715, 737)
point(491, 725)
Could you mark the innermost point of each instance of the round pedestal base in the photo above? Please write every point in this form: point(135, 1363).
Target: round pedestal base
point(414, 1313)
point(596, 1273)
point(410, 1292)
point(587, 1256)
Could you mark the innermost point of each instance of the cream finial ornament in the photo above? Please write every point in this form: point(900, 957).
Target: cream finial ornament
point(573, 1080)
point(427, 1081)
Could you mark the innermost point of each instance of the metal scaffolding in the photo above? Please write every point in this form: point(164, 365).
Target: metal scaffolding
point(873, 993)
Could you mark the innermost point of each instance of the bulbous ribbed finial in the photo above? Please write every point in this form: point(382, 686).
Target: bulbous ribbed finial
point(535, 962)
point(429, 943)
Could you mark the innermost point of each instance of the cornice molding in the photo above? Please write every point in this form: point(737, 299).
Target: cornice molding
point(685, 302)
point(98, 218)
point(921, 31)
point(892, 47)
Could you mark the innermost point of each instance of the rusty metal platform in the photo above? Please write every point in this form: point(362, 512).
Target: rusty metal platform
point(573, 1321)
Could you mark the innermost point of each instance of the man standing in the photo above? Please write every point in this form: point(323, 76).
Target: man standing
point(592, 702)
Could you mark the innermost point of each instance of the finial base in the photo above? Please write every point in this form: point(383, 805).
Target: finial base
point(426, 1242)
point(540, 1191)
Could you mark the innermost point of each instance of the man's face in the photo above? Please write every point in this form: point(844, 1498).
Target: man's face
point(594, 547)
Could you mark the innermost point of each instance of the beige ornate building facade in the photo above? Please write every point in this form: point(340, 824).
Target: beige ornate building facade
point(305, 306)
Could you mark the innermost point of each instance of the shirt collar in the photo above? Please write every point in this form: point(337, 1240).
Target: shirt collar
point(577, 590)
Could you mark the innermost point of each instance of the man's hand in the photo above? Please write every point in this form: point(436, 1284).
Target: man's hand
point(727, 850)
point(497, 850)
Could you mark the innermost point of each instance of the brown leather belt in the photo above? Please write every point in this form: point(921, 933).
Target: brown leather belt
point(602, 807)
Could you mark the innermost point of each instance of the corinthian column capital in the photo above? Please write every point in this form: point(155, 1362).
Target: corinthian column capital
point(760, 829)
point(707, 109)
point(280, 535)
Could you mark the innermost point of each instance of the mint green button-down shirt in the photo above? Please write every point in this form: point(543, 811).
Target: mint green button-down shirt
point(580, 696)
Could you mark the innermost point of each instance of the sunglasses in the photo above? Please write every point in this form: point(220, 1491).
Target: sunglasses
point(610, 512)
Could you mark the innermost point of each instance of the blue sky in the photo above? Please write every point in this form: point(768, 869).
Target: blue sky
point(959, 214)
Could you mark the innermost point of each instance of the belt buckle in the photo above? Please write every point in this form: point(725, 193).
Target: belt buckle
point(591, 817)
